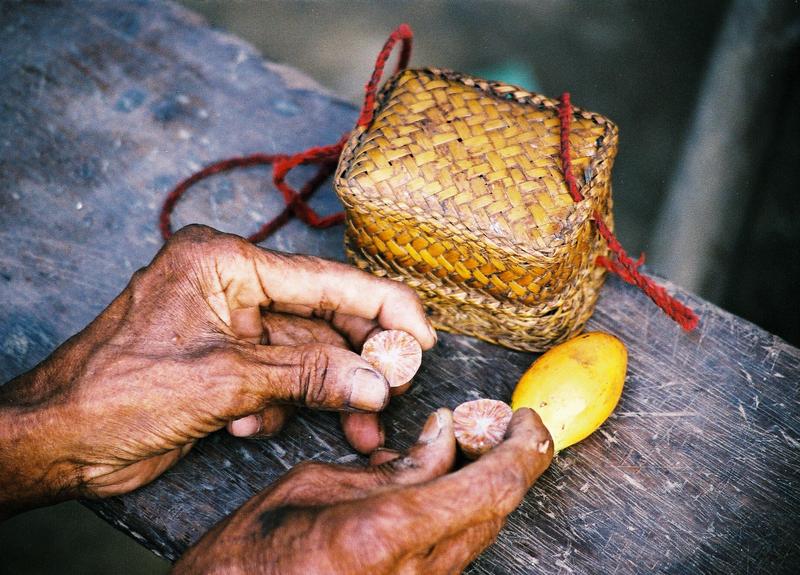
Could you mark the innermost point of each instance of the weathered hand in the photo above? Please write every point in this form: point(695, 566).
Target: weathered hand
point(403, 515)
point(214, 332)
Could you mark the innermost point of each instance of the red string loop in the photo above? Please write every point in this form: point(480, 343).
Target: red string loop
point(622, 264)
point(402, 33)
point(324, 156)
point(295, 202)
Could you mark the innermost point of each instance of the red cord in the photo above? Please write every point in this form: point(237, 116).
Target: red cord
point(324, 156)
point(622, 265)
point(402, 33)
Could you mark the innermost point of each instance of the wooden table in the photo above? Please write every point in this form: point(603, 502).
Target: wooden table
point(106, 106)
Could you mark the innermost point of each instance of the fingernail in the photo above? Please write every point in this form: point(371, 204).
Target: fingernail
point(368, 390)
point(432, 429)
point(543, 446)
point(246, 426)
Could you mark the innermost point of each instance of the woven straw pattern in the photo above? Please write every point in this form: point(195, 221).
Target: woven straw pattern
point(456, 189)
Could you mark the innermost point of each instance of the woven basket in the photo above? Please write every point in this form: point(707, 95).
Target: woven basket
point(456, 189)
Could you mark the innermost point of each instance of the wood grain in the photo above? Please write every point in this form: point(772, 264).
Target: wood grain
point(105, 106)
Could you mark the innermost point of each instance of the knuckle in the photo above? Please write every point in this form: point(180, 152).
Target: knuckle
point(314, 377)
point(395, 470)
point(228, 355)
point(403, 290)
point(231, 378)
point(138, 284)
point(373, 532)
point(196, 241)
point(232, 243)
point(187, 239)
point(193, 233)
point(303, 479)
point(306, 468)
point(329, 303)
point(402, 463)
point(138, 275)
point(506, 488)
point(383, 474)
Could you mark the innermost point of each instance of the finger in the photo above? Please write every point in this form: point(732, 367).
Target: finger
point(288, 329)
point(353, 328)
point(248, 275)
point(245, 426)
point(363, 431)
point(128, 478)
point(285, 329)
point(267, 423)
point(274, 417)
point(315, 375)
point(246, 324)
point(486, 490)
point(281, 329)
point(452, 555)
point(299, 310)
point(356, 329)
point(313, 484)
point(433, 454)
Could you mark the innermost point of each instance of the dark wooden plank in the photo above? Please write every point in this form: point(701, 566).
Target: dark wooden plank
point(104, 106)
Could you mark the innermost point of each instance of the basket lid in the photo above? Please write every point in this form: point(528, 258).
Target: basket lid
point(482, 154)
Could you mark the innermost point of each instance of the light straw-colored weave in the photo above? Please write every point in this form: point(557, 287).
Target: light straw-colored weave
point(456, 189)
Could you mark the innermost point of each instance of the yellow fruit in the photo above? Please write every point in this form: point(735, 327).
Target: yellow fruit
point(574, 386)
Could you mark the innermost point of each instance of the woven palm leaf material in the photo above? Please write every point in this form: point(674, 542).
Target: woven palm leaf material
point(494, 203)
point(456, 189)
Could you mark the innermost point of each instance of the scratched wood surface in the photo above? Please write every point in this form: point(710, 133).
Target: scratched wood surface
point(105, 106)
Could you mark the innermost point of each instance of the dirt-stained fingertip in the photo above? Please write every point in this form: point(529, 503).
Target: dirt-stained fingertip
point(369, 390)
point(526, 422)
point(402, 310)
point(245, 426)
point(431, 430)
point(363, 431)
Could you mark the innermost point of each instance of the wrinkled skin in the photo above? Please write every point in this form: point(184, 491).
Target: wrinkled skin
point(404, 514)
point(215, 332)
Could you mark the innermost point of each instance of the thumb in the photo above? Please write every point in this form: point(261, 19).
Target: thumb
point(322, 484)
point(431, 456)
point(315, 375)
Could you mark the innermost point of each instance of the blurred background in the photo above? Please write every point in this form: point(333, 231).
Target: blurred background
point(705, 94)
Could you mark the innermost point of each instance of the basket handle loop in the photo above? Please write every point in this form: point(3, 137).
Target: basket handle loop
point(401, 33)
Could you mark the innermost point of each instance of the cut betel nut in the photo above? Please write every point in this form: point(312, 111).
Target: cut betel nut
point(480, 425)
point(395, 354)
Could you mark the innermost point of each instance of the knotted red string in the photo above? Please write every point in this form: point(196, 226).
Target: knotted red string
point(324, 156)
point(622, 265)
